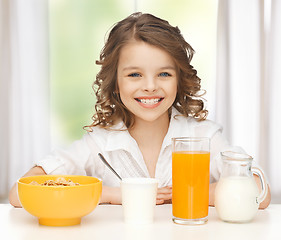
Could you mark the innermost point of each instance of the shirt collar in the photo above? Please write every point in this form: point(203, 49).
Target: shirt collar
point(120, 138)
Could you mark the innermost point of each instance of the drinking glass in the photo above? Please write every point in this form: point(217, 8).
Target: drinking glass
point(190, 175)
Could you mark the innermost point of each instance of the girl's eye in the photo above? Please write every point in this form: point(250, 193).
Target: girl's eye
point(165, 74)
point(134, 75)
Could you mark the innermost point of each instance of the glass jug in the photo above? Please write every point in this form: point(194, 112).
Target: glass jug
point(237, 196)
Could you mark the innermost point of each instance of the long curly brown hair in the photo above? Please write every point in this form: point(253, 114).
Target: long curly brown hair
point(157, 32)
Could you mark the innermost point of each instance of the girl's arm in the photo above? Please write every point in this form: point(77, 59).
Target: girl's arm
point(264, 204)
point(13, 195)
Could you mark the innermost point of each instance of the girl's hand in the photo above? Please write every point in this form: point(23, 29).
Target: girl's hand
point(111, 195)
point(164, 195)
point(13, 195)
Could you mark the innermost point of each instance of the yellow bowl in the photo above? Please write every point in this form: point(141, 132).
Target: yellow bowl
point(59, 205)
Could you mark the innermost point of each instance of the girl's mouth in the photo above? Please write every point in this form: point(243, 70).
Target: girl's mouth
point(149, 101)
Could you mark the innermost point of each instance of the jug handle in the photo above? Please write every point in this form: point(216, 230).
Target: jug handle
point(264, 187)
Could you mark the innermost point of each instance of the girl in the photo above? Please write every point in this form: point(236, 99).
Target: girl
point(147, 92)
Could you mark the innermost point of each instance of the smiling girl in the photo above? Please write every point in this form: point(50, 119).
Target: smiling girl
point(147, 93)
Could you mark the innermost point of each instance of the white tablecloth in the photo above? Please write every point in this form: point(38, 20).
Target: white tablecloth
point(106, 222)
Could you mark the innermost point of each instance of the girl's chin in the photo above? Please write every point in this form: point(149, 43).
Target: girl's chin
point(152, 118)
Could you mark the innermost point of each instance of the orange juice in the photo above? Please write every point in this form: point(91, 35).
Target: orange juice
point(190, 172)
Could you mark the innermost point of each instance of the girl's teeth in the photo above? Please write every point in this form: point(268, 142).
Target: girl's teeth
point(150, 101)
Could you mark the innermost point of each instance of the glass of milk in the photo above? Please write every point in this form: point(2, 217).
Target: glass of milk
point(139, 199)
point(237, 197)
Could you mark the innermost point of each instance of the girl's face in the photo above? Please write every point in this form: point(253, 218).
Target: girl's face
point(147, 80)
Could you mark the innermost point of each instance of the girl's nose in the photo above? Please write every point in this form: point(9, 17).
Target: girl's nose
point(150, 84)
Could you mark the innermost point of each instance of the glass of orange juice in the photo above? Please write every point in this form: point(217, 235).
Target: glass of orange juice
point(190, 175)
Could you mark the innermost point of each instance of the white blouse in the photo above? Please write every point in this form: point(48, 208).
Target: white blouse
point(123, 153)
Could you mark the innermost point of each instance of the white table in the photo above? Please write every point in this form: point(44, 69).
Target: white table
point(106, 222)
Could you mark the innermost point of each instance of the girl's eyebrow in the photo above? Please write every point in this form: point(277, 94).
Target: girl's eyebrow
point(130, 68)
point(168, 67)
point(135, 68)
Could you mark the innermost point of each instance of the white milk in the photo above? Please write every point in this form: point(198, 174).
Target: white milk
point(236, 199)
point(139, 199)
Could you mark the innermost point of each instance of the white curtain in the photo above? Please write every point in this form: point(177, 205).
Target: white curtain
point(24, 87)
point(248, 89)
